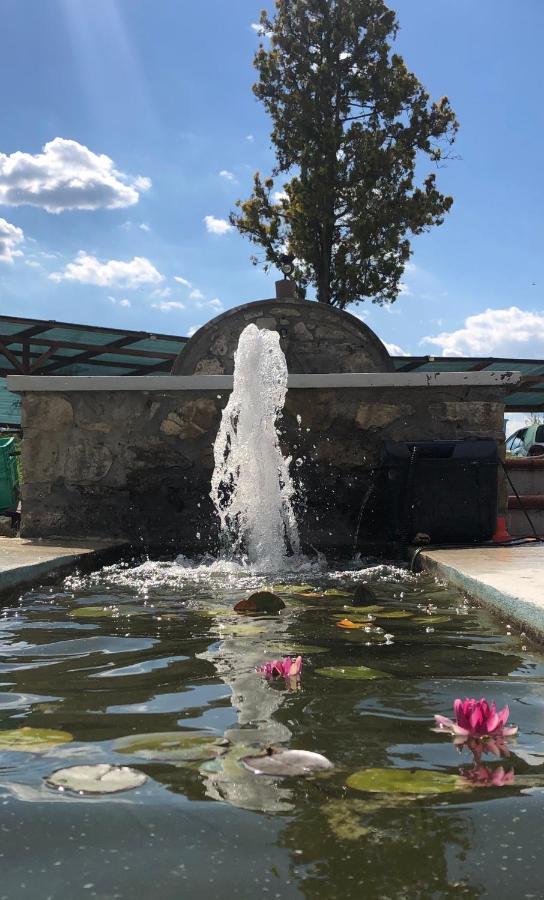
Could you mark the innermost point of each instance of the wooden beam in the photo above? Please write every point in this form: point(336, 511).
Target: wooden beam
point(96, 350)
point(113, 347)
point(12, 358)
point(37, 364)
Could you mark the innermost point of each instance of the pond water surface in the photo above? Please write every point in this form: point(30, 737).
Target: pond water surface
point(138, 649)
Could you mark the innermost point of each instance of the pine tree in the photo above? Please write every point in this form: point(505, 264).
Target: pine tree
point(351, 129)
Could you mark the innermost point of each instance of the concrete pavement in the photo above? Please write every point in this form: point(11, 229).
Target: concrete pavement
point(509, 580)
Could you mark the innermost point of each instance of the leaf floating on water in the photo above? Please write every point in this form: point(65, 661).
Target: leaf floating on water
point(430, 620)
point(290, 588)
point(396, 614)
point(293, 649)
point(99, 779)
point(334, 592)
point(287, 763)
point(182, 746)
point(347, 623)
point(260, 601)
point(358, 610)
point(109, 612)
point(240, 630)
point(352, 673)
point(32, 740)
point(404, 781)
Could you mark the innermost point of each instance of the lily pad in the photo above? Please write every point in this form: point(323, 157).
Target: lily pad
point(357, 610)
point(108, 612)
point(396, 614)
point(260, 602)
point(240, 630)
point(287, 763)
point(430, 620)
point(182, 746)
point(334, 592)
point(293, 649)
point(290, 588)
point(32, 740)
point(404, 781)
point(352, 673)
point(99, 779)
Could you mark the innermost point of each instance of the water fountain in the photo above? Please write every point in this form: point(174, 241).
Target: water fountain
point(252, 488)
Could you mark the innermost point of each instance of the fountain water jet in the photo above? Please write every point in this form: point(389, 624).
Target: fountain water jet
point(251, 486)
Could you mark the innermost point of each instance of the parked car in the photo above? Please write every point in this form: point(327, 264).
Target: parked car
point(526, 442)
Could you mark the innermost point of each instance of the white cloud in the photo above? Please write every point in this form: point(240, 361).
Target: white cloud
point(33, 264)
point(395, 350)
point(279, 195)
point(494, 332)
point(216, 304)
point(125, 302)
point(196, 295)
point(250, 138)
point(168, 305)
point(162, 292)
point(144, 227)
point(258, 29)
point(66, 175)
point(192, 330)
point(182, 281)
point(10, 238)
point(228, 176)
point(217, 226)
point(87, 269)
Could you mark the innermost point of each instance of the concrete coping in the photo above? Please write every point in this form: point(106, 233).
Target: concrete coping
point(67, 383)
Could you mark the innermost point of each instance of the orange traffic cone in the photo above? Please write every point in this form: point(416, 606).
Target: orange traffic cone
point(502, 535)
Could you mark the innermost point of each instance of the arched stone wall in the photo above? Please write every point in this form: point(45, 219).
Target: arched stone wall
point(314, 337)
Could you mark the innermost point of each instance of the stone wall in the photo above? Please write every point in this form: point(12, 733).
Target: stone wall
point(314, 337)
point(137, 464)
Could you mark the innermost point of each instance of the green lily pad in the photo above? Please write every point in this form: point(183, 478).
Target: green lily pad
point(353, 673)
point(32, 740)
point(396, 614)
point(293, 649)
point(358, 610)
point(431, 620)
point(290, 588)
point(334, 592)
point(174, 746)
point(404, 781)
point(98, 779)
point(240, 630)
point(214, 612)
point(108, 612)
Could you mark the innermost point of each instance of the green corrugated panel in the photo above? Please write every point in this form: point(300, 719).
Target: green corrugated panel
point(10, 406)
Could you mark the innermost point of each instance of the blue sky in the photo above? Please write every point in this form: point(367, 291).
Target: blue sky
point(147, 118)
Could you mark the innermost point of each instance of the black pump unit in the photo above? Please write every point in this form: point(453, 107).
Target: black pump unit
point(445, 490)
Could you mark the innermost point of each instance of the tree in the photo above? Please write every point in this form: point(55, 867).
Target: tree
point(351, 130)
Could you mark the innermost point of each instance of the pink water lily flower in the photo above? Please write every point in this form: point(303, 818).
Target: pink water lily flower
point(282, 668)
point(482, 776)
point(477, 718)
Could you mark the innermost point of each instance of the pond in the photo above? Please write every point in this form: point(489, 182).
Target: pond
point(154, 648)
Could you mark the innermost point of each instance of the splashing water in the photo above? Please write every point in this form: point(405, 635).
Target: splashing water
point(251, 486)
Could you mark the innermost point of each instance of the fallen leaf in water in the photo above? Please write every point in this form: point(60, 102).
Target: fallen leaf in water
point(395, 614)
point(347, 623)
